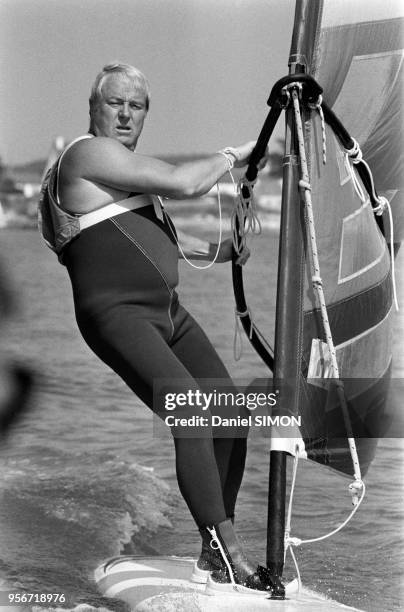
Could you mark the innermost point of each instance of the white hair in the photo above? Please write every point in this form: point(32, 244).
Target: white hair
point(130, 72)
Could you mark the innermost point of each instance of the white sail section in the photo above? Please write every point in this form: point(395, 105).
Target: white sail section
point(344, 12)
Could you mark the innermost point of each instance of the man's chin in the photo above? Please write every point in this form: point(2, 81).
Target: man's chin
point(126, 140)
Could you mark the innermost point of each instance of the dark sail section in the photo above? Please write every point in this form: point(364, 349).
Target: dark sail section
point(355, 56)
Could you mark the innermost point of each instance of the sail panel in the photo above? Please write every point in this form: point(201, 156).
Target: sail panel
point(353, 253)
point(357, 58)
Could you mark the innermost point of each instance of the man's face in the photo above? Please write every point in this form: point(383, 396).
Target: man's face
point(121, 111)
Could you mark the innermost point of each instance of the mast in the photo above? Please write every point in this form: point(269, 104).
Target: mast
point(288, 331)
point(289, 301)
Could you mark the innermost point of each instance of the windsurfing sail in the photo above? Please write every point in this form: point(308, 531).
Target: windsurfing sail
point(333, 346)
point(354, 51)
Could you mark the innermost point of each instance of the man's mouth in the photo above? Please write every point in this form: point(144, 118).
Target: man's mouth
point(123, 128)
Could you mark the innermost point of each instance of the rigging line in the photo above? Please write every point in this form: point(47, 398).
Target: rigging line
point(260, 343)
point(211, 263)
point(351, 146)
point(298, 542)
point(293, 541)
point(244, 218)
point(238, 338)
point(292, 491)
point(318, 106)
point(304, 184)
point(393, 267)
point(355, 154)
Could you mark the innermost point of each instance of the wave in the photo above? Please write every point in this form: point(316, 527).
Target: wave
point(61, 515)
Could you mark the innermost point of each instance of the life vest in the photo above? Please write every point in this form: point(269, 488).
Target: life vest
point(56, 226)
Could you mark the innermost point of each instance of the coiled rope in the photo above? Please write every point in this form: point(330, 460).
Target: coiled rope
point(244, 220)
point(245, 214)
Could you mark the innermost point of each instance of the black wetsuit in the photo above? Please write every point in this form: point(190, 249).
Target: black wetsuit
point(124, 273)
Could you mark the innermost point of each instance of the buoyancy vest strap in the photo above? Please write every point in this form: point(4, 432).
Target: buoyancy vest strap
point(61, 157)
point(116, 208)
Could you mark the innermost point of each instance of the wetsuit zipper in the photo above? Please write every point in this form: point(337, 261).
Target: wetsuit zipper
point(169, 315)
point(142, 250)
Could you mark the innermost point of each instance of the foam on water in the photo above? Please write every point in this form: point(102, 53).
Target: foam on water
point(61, 515)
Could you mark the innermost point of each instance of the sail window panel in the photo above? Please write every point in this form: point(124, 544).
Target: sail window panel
point(372, 92)
point(362, 246)
point(337, 48)
point(357, 357)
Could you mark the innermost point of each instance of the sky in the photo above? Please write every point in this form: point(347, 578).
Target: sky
point(210, 63)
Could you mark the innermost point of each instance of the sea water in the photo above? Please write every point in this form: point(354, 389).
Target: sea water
point(83, 478)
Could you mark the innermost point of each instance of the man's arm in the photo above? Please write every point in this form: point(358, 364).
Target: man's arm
point(105, 161)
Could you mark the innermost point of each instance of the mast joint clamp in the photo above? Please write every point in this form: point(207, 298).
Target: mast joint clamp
point(308, 89)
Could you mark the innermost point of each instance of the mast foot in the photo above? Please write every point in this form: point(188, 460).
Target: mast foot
point(277, 587)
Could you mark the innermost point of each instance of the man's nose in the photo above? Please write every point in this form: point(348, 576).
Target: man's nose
point(124, 109)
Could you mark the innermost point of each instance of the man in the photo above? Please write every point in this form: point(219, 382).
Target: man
point(122, 257)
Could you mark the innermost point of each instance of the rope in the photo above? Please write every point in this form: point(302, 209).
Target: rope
point(354, 488)
point(304, 184)
point(383, 205)
point(292, 491)
point(357, 488)
point(245, 213)
point(299, 580)
point(238, 336)
point(317, 106)
point(355, 154)
point(261, 337)
point(245, 218)
point(393, 268)
point(299, 542)
point(211, 263)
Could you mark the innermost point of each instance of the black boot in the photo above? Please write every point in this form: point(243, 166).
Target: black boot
point(240, 575)
point(210, 560)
